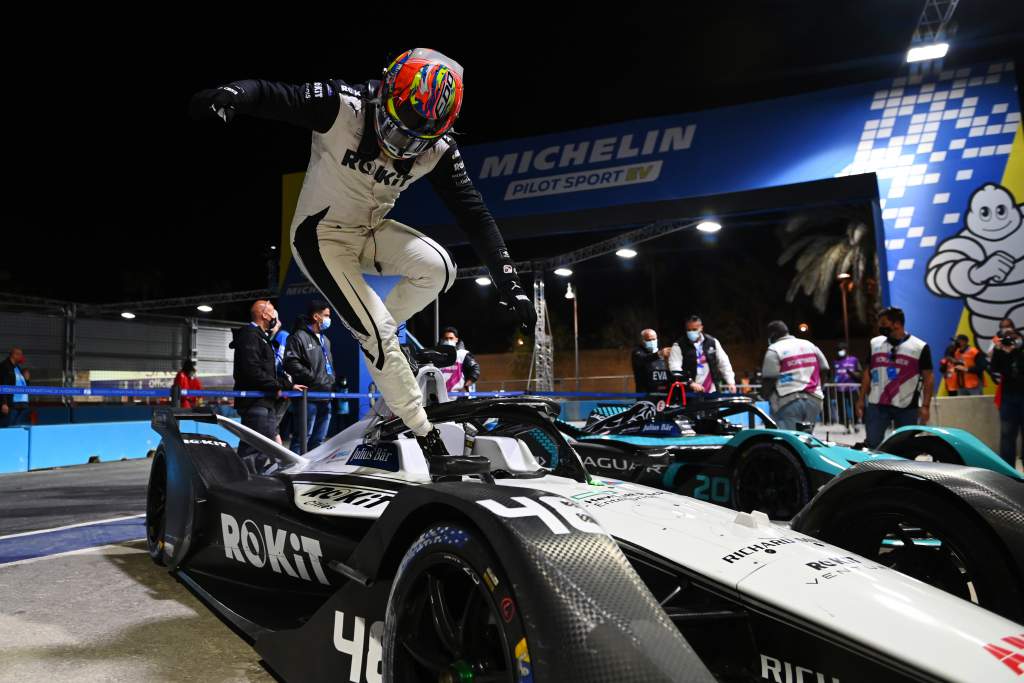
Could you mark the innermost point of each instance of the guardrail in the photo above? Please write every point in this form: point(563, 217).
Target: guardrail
point(837, 408)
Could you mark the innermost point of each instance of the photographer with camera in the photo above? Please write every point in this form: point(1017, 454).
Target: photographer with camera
point(963, 366)
point(1008, 362)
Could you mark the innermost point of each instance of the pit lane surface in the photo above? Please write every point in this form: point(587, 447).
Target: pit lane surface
point(80, 599)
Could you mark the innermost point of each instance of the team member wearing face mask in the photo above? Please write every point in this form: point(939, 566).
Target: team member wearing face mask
point(791, 373)
point(307, 358)
point(466, 371)
point(650, 369)
point(900, 383)
point(255, 371)
point(1008, 362)
point(848, 372)
point(702, 360)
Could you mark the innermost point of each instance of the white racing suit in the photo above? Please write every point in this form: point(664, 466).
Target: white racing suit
point(341, 231)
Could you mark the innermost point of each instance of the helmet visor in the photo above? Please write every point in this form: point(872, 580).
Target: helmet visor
point(397, 142)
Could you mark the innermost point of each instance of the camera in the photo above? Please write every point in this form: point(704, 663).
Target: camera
point(1007, 338)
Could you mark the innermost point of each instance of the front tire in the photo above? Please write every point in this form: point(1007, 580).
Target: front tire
point(451, 615)
point(156, 508)
point(916, 533)
point(770, 478)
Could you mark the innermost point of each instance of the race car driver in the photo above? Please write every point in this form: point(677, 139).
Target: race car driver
point(370, 141)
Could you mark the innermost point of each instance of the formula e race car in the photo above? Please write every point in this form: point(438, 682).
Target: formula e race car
point(729, 451)
point(365, 560)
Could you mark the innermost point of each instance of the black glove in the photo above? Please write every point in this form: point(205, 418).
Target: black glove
point(513, 298)
point(222, 102)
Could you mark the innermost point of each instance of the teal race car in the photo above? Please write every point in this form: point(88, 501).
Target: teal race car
point(729, 451)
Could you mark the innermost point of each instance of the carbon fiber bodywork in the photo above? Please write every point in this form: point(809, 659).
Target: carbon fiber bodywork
point(996, 500)
point(587, 613)
point(678, 594)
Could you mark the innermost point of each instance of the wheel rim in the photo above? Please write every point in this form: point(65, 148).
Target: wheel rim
point(771, 484)
point(902, 542)
point(449, 630)
point(156, 506)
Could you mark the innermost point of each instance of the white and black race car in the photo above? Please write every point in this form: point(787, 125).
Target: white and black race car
point(364, 560)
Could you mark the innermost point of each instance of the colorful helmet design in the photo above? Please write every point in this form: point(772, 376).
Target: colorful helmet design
point(420, 98)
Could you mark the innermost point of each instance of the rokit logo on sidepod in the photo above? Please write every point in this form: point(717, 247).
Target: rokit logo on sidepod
point(283, 551)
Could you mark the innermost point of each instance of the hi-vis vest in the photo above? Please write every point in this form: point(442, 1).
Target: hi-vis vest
point(967, 379)
point(895, 377)
point(798, 367)
point(454, 380)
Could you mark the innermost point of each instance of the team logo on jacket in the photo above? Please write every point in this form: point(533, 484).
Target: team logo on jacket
point(379, 172)
point(280, 551)
point(350, 501)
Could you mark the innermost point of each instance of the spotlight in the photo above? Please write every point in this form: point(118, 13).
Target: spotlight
point(563, 272)
point(626, 252)
point(483, 281)
point(128, 316)
point(804, 327)
point(569, 294)
point(709, 226)
point(923, 53)
point(204, 308)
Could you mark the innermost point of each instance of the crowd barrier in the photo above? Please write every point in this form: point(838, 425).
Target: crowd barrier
point(45, 446)
point(31, 447)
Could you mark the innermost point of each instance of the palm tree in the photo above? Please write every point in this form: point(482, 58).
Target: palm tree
point(824, 244)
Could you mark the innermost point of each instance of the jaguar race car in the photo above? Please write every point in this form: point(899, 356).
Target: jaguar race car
point(365, 560)
point(729, 451)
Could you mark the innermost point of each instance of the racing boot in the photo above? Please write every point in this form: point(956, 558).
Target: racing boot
point(444, 465)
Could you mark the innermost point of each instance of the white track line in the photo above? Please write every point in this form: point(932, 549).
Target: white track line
point(71, 526)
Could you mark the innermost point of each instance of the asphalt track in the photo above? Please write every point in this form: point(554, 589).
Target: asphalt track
point(80, 600)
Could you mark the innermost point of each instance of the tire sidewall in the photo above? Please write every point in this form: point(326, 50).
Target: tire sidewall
point(761, 450)
point(155, 546)
point(464, 543)
point(997, 587)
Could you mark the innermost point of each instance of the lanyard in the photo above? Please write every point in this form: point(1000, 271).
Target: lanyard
point(327, 359)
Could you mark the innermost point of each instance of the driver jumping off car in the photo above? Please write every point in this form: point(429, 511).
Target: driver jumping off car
point(370, 141)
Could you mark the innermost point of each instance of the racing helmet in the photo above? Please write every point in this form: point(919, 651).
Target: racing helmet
point(419, 100)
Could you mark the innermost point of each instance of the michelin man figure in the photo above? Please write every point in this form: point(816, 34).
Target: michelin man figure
point(984, 263)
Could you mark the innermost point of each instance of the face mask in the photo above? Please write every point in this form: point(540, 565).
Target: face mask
point(651, 345)
point(449, 342)
point(325, 324)
point(693, 335)
point(885, 331)
point(842, 354)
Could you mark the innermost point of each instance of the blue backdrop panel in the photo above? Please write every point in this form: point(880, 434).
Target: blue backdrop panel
point(13, 449)
point(61, 445)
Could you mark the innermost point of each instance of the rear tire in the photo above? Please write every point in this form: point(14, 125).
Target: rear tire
point(156, 508)
point(770, 478)
point(959, 554)
point(451, 614)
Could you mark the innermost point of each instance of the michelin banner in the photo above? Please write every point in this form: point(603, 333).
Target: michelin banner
point(940, 147)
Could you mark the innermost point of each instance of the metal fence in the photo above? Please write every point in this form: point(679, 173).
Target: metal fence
point(837, 407)
point(67, 349)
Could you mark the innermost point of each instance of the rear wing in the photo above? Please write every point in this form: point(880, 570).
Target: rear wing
point(165, 423)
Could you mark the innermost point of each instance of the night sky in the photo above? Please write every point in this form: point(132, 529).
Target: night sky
point(114, 194)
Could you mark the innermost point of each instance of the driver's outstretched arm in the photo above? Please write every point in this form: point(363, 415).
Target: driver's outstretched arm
point(312, 105)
